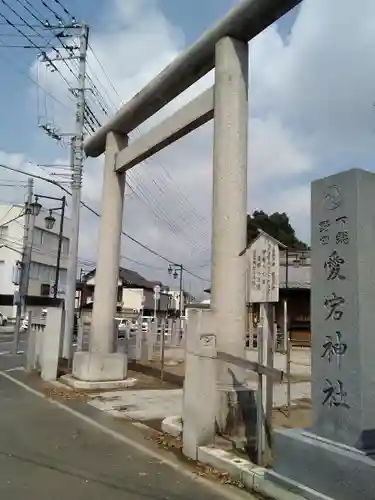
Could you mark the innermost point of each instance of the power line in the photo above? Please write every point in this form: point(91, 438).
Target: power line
point(16, 28)
point(11, 62)
point(142, 263)
point(11, 220)
point(93, 211)
point(33, 44)
point(145, 194)
point(72, 18)
point(30, 11)
point(190, 218)
point(9, 209)
point(92, 121)
point(46, 26)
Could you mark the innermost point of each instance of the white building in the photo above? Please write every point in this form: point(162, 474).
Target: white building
point(44, 250)
point(135, 294)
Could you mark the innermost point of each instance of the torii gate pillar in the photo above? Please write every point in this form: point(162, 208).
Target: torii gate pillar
point(101, 363)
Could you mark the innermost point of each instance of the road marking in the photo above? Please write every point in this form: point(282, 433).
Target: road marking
point(229, 493)
point(10, 342)
point(15, 369)
point(8, 353)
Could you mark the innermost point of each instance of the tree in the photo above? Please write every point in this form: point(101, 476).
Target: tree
point(276, 225)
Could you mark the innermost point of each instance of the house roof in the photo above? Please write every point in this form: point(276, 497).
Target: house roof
point(263, 233)
point(133, 278)
point(298, 277)
point(129, 278)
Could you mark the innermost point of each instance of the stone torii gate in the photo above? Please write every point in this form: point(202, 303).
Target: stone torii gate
point(225, 48)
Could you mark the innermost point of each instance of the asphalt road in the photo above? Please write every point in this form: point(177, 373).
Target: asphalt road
point(46, 452)
point(6, 342)
point(49, 452)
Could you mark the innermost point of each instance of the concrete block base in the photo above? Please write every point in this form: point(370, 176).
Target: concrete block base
point(100, 385)
point(97, 367)
point(172, 426)
point(318, 468)
point(250, 475)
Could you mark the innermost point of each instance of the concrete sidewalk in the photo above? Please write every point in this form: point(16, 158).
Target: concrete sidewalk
point(47, 452)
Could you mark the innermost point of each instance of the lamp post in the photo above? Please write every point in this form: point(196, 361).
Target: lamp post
point(176, 271)
point(50, 222)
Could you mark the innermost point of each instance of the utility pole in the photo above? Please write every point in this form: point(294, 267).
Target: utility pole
point(25, 263)
point(181, 292)
point(77, 163)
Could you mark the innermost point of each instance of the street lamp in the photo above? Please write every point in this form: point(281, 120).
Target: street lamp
point(176, 270)
point(35, 207)
point(50, 220)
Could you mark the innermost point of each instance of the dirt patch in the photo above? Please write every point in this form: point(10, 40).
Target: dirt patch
point(67, 394)
point(145, 381)
point(300, 415)
point(172, 374)
point(174, 445)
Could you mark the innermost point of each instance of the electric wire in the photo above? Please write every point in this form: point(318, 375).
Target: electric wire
point(93, 211)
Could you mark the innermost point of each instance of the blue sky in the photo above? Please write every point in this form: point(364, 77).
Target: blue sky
point(19, 130)
point(312, 90)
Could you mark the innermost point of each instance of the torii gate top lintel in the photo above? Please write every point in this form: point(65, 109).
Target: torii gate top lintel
point(243, 22)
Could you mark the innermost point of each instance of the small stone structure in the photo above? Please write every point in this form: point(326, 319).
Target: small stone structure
point(44, 342)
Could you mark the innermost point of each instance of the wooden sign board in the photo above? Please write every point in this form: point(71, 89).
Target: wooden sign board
point(263, 270)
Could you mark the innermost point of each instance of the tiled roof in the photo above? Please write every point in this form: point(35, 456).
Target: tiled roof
point(129, 278)
point(298, 277)
point(135, 279)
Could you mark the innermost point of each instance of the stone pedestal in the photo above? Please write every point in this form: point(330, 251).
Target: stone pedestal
point(93, 367)
point(336, 458)
point(323, 469)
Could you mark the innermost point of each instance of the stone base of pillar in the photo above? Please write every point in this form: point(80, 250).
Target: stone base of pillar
point(97, 367)
point(318, 468)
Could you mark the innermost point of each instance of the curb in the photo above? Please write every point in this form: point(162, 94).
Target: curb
point(172, 426)
point(250, 475)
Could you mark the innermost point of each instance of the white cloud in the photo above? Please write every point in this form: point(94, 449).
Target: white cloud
point(311, 99)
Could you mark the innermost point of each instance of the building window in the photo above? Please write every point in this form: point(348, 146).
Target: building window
point(37, 236)
point(4, 231)
point(65, 246)
point(45, 273)
point(44, 289)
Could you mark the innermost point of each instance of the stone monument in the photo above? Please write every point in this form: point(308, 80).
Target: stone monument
point(336, 457)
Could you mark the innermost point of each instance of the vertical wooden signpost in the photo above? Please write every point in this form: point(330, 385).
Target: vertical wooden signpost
point(263, 289)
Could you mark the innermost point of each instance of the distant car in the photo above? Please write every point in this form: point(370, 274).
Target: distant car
point(122, 325)
point(3, 319)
